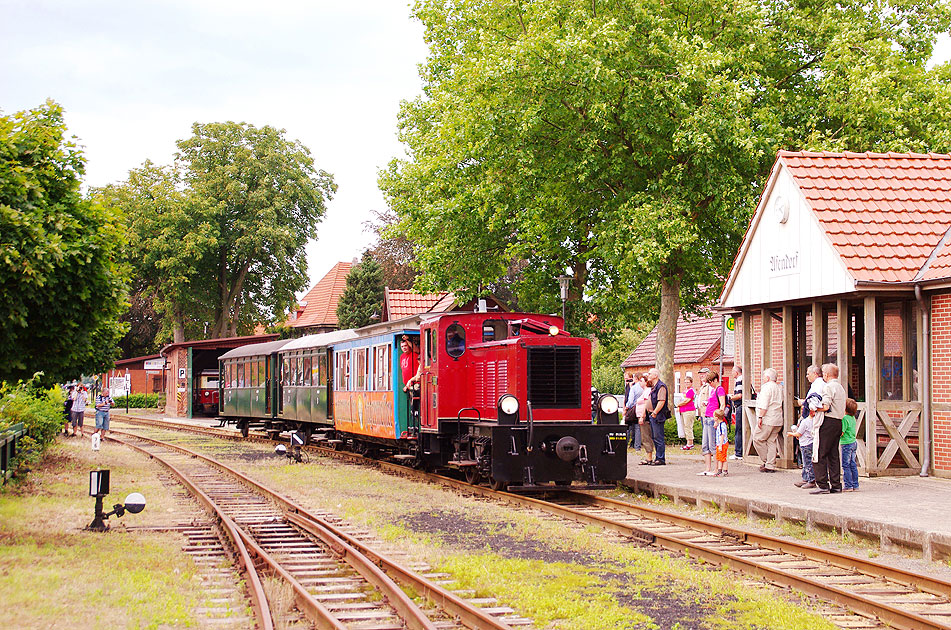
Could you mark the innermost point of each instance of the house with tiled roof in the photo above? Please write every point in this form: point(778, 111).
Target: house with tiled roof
point(698, 346)
point(317, 310)
point(847, 260)
point(400, 303)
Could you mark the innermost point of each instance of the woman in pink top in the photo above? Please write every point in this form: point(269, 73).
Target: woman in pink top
point(716, 401)
point(688, 412)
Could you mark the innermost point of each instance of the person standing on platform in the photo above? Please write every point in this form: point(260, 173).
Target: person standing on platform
point(850, 467)
point(716, 401)
point(703, 392)
point(688, 411)
point(722, 441)
point(826, 445)
point(736, 400)
point(803, 432)
point(658, 411)
point(769, 421)
point(103, 404)
point(633, 392)
point(643, 424)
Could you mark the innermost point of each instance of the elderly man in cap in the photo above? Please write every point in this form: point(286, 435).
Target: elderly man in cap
point(769, 421)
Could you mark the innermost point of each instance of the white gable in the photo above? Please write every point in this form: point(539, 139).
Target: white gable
point(785, 260)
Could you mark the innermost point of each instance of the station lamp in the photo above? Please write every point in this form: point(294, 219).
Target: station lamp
point(563, 282)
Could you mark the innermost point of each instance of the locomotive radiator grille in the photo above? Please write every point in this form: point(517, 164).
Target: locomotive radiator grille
point(491, 378)
point(554, 377)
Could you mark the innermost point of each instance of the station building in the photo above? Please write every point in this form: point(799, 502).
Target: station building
point(847, 260)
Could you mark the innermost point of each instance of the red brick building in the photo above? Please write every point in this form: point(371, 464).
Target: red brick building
point(847, 260)
point(147, 374)
point(398, 304)
point(698, 346)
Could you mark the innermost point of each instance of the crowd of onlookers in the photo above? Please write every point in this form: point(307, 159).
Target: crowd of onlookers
point(825, 431)
point(74, 412)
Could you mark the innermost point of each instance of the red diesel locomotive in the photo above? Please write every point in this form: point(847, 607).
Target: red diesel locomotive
point(502, 398)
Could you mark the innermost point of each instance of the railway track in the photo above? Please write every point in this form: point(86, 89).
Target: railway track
point(337, 580)
point(871, 590)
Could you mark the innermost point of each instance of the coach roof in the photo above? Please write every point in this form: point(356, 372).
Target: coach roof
point(320, 340)
point(256, 349)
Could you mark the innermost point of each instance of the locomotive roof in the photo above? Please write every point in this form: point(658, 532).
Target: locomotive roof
point(320, 340)
point(256, 349)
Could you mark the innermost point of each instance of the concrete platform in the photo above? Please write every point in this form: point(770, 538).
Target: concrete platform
point(910, 513)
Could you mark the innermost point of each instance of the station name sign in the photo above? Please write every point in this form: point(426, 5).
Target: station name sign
point(784, 264)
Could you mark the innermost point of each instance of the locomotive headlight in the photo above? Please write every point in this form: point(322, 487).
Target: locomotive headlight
point(608, 404)
point(508, 404)
point(553, 331)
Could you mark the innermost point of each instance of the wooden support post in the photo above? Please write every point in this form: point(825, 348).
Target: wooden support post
point(871, 384)
point(767, 333)
point(788, 459)
point(844, 340)
point(909, 342)
point(818, 335)
point(747, 381)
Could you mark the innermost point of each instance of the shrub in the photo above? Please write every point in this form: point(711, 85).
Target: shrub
point(40, 411)
point(140, 401)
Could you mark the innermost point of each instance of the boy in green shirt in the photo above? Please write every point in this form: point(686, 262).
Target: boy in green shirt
point(850, 469)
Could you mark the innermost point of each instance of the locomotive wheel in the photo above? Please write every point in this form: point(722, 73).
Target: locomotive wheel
point(472, 476)
point(495, 485)
point(243, 427)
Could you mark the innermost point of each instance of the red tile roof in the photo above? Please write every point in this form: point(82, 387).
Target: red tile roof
point(400, 303)
point(695, 340)
point(320, 303)
point(885, 213)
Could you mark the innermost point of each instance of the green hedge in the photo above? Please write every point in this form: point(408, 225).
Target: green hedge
point(40, 411)
point(140, 401)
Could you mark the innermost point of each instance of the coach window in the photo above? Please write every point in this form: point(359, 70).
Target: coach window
point(342, 359)
point(240, 374)
point(455, 341)
point(307, 374)
point(430, 346)
point(321, 369)
point(381, 367)
point(252, 373)
point(494, 330)
point(285, 371)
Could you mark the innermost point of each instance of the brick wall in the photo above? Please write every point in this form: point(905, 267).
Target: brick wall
point(176, 403)
point(941, 379)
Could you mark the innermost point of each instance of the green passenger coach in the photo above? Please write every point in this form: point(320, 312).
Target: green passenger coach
point(248, 384)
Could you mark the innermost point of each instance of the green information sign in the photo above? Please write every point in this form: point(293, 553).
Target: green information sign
point(730, 323)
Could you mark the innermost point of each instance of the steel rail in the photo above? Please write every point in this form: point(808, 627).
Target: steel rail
point(887, 613)
point(925, 583)
point(365, 559)
point(256, 591)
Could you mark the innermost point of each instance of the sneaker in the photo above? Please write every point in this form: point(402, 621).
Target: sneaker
point(726, 473)
point(735, 456)
point(821, 491)
point(807, 486)
point(799, 484)
point(704, 473)
point(718, 473)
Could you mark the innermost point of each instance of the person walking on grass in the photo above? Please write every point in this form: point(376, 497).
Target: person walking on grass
point(850, 468)
point(103, 404)
point(723, 442)
point(715, 402)
point(78, 409)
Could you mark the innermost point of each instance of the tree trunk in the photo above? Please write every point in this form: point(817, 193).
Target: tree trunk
point(178, 325)
point(667, 329)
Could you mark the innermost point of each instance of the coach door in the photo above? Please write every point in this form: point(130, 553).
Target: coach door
point(427, 403)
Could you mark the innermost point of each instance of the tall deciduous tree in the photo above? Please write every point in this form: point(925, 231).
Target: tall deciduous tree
point(221, 232)
point(362, 299)
point(627, 141)
point(61, 276)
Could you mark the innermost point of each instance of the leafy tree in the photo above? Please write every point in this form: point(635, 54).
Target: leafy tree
point(392, 251)
point(145, 325)
point(607, 357)
point(628, 141)
point(61, 278)
point(361, 302)
point(220, 234)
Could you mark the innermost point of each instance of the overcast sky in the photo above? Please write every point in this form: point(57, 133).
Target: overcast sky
point(133, 77)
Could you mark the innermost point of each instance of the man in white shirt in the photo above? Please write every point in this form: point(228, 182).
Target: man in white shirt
point(769, 421)
point(828, 463)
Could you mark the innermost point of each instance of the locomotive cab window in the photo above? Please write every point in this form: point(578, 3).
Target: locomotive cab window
point(455, 341)
point(494, 330)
